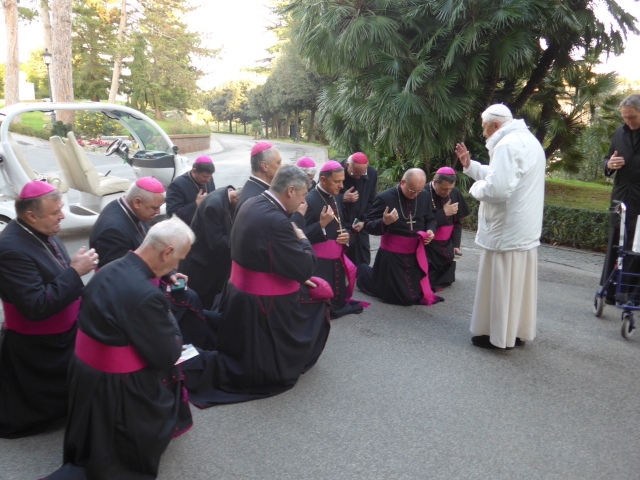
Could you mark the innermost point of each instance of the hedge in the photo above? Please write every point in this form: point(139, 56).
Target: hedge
point(29, 131)
point(573, 227)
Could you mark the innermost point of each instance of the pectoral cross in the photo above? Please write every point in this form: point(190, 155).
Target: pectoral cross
point(340, 229)
point(411, 221)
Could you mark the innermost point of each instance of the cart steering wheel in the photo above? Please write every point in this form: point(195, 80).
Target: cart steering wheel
point(114, 146)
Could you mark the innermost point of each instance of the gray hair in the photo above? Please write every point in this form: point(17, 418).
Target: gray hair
point(137, 192)
point(36, 204)
point(289, 176)
point(169, 233)
point(264, 156)
point(632, 100)
point(309, 170)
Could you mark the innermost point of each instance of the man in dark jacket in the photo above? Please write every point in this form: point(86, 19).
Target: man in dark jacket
point(209, 262)
point(187, 191)
point(623, 161)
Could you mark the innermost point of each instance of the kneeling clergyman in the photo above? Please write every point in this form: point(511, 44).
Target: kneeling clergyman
point(126, 393)
point(266, 337)
point(330, 239)
point(40, 287)
point(449, 208)
point(402, 215)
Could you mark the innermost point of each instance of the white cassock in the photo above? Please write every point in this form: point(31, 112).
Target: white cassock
point(511, 194)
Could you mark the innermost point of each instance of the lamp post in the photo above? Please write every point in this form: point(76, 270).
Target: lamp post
point(46, 58)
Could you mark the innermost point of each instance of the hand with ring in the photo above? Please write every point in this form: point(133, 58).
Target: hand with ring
point(615, 162)
point(84, 261)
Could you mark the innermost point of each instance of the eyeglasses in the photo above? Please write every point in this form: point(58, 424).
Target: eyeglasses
point(357, 175)
point(413, 192)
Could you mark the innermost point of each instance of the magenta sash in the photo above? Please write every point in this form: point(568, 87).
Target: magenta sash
point(412, 245)
point(261, 283)
point(107, 358)
point(60, 322)
point(332, 250)
point(443, 233)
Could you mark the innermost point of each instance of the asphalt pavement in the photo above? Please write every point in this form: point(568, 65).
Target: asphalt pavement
point(400, 392)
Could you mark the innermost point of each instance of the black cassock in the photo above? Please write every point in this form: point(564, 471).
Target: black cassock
point(252, 188)
point(181, 196)
point(208, 263)
point(333, 271)
point(265, 342)
point(366, 186)
point(117, 232)
point(33, 368)
point(120, 423)
point(395, 277)
point(442, 268)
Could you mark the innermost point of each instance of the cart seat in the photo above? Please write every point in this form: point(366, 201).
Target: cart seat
point(51, 178)
point(80, 173)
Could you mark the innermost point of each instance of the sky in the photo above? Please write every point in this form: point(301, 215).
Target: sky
point(240, 29)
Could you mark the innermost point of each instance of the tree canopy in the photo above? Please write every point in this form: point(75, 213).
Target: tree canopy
point(413, 76)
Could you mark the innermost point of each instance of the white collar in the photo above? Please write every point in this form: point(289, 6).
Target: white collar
point(320, 188)
point(258, 179)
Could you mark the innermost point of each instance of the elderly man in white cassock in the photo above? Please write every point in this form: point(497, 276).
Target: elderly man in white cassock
point(511, 194)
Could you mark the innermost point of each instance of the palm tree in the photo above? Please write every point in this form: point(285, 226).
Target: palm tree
point(412, 76)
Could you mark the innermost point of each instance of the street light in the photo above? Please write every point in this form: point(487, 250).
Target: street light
point(46, 58)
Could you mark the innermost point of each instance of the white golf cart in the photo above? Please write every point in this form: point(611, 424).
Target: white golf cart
point(85, 191)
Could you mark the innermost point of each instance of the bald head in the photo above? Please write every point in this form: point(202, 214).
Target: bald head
point(413, 182)
point(414, 172)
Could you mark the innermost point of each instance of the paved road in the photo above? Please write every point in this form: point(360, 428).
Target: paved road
point(400, 393)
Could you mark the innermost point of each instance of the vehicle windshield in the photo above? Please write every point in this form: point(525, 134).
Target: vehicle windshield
point(144, 134)
point(147, 137)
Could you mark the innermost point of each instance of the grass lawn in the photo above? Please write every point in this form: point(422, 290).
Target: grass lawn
point(575, 194)
point(35, 120)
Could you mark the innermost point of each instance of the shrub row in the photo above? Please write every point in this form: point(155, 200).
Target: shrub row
point(29, 131)
point(572, 227)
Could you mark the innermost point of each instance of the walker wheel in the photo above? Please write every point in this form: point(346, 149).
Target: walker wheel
point(598, 305)
point(628, 328)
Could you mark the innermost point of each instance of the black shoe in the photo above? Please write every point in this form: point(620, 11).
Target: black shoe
point(483, 341)
point(609, 301)
point(519, 343)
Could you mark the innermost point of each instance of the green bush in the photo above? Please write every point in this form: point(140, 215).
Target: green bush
point(572, 227)
point(61, 129)
point(576, 228)
point(95, 124)
point(29, 131)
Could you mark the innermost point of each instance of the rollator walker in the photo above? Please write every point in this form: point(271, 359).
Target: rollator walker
point(627, 284)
